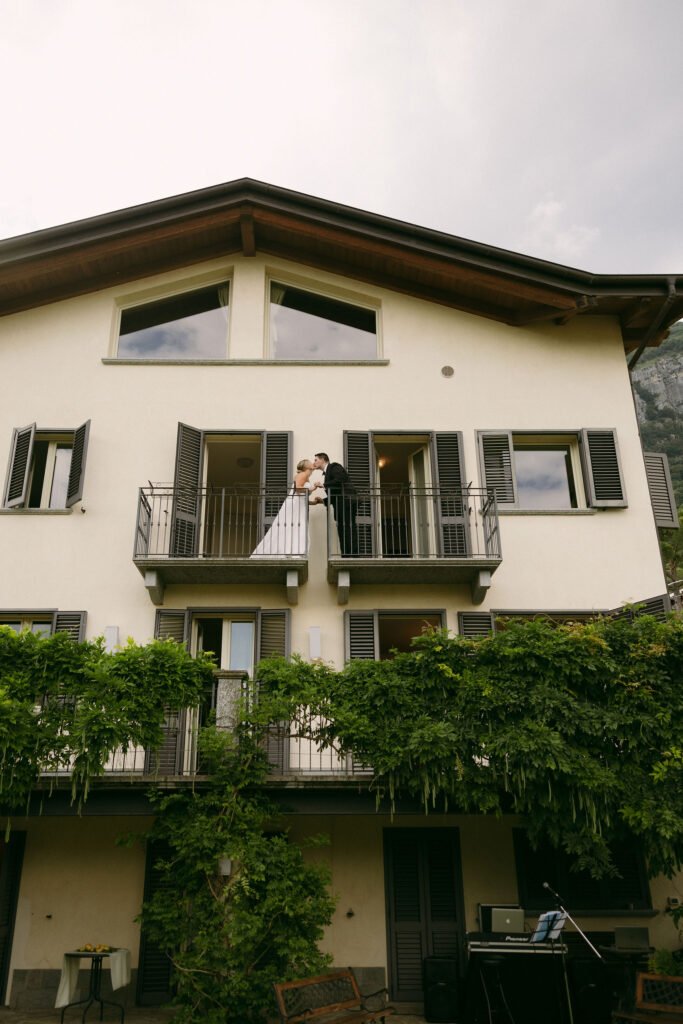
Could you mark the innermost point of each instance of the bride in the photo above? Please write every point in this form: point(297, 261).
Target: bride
point(288, 533)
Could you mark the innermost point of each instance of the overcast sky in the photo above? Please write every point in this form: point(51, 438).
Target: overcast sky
point(550, 127)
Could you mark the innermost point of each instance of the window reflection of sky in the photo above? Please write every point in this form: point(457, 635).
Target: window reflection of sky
point(298, 335)
point(200, 336)
point(542, 478)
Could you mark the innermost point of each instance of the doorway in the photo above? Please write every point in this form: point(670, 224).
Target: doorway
point(232, 477)
point(424, 904)
point(403, 475)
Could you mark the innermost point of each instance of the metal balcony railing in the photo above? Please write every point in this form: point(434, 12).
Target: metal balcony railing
point(290, 752)
point(221, 523)
point(406, 522)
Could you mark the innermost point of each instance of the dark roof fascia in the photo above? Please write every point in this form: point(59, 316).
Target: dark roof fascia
point(248, 191)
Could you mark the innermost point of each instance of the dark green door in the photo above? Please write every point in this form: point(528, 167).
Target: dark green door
point(424, 904)
point(11, 857)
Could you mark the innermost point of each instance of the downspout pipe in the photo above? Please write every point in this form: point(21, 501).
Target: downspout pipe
point(654, 326)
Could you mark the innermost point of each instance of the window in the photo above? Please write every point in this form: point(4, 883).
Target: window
point(236, 637)
point(545, 477)
point(306, 325)
point(378, 635)
point(579, 889)
point(193, 325)
point(228, 638)
point(552, 471)
point(46, 468)
point(46, 623)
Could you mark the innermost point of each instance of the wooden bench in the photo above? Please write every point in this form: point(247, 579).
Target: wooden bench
point(327, 997)
point(659, 997)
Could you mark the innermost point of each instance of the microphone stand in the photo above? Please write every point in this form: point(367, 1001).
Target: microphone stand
point(558, 900)
point(560, 906)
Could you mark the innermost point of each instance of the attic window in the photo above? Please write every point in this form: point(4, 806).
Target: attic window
point(309, 326)
point(193, 325)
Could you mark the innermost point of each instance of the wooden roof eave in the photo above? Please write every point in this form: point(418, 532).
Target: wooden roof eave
point(249, 216)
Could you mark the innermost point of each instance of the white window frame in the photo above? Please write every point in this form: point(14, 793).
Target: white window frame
point(327, 291)
point(169, 290)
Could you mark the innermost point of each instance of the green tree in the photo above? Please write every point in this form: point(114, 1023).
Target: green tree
point(230, 937)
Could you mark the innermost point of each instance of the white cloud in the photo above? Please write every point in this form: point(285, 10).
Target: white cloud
point(551, 234)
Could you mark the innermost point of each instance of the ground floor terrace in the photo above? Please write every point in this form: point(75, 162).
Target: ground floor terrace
point(411, 890)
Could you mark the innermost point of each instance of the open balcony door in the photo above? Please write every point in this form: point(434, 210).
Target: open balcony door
point(421, 506)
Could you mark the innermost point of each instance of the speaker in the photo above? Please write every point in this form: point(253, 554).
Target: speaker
point(441, 982)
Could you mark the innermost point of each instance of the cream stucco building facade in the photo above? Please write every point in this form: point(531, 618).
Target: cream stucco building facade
point(435, 369)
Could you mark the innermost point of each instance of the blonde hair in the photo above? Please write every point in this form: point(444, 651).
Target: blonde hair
point(303, 464)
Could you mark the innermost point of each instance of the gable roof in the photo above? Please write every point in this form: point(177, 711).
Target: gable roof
point(249, 216)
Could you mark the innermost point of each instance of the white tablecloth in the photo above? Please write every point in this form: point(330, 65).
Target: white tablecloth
point(119, 968)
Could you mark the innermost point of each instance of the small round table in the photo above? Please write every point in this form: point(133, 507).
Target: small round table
point(95, 987)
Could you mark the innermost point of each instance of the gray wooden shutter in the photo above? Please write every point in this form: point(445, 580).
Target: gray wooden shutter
point(451, 503)
point(155, 968)
point(74, 490)
point(361, 635)
point(71, 623)
point(497, 465)
point(276, 473)
point(273, 642)
point(471, 624)
point(187, 503)
point(602, 468)
point(172, 624)
point(19, 470)
point(273, 634)
point(359, 462)
point(11, 858)
point(661, 490)
point(658, 607)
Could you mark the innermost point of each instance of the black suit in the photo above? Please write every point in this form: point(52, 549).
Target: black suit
point(342, 495)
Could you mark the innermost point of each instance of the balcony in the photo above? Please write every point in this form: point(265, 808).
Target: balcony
point(414, 535)
point(294, 760)
point(221, 535)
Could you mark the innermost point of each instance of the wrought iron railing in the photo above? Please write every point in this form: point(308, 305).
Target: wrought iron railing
point(221, 522)
point(406, 522)
point(289, 749)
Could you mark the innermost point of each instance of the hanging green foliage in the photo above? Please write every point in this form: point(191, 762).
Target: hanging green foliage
point(65, 707)
point(576, 728)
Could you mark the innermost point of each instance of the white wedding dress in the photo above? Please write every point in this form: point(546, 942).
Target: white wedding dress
point(288, 533)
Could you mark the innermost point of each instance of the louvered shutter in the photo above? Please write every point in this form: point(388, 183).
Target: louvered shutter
point(359, 460)
point(11, 858)
point(406, 914)
point(154, 966)
point(276, 474)
point(658, 607)
point(451, 503)
point(74, 490)
point(273, 642)
point(602, 469)
point(362, 635)
point(19, 471)
point(171, 624)
point(442, 898)
point(497, 465)
point(71, 623)
point(186, 511)
point(661, 490)
point(471, 624)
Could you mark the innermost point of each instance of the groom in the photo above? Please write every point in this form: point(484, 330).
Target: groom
point(342, 494)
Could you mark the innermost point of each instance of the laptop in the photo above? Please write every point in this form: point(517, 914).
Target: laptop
point(507, 919)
